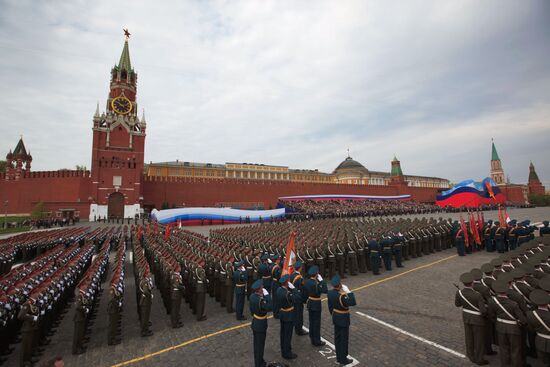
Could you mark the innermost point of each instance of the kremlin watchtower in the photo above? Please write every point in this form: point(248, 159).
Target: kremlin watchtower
point(118, 146)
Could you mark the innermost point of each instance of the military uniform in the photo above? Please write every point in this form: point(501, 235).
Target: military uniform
point(374, 256)
point(176, 295)
point(538, 321)
point(260, 304)
point(286, 298)
point(508, 318)
point(473, 316)
point(313, 288)
point(240, 278)
point(340, 299)
point(297, 280)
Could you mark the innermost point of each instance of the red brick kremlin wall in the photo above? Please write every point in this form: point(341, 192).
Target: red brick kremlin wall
point(57, 189)
point(197, 192)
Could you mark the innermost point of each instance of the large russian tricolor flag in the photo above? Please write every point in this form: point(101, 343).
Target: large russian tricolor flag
point(471, 194)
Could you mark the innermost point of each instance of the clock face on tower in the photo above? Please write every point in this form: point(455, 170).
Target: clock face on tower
point(121, 105)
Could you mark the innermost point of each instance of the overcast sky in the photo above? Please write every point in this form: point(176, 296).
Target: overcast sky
point(292, 83)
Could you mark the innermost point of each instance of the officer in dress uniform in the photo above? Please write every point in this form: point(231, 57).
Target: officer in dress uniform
point(473, 316)
point(286, 298)
point(340, 299)
point(240, 277)
point(260, 304)
point(538, 322)
point(297, 280)
point(508, 318)
point(312, 290)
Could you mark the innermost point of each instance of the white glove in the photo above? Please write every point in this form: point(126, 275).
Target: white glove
point(265, 292)
point(345, 288)
point(269, 261)
point(290, 285)
point(319, 277)
point(35, 318)
point(242, 268)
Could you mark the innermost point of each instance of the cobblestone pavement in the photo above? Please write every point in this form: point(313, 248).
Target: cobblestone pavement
point(418, 299)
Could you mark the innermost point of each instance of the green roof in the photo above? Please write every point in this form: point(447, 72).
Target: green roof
point(494, 154)
point(532, 173)
point(124, 63)
point(20, 148)
point(396, 167)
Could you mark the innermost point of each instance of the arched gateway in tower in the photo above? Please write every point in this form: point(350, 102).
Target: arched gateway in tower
point(118, 147)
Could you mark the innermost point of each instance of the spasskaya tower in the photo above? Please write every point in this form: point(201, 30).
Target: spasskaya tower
point(118, 146)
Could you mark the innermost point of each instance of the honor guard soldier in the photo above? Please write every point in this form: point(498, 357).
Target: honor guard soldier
point(260, 305)
point(312, 290)
point(339, 301)
point(286, 298)
point(113, 308)
point(176, 294)
point(145, 301)
point(374, 251)
point(275, 276)
point(545, 230)
point(80, 323)
point(473, 316)
point(297, 280)
point(538, 322)
point(487, 237)
point(509, 319)
point(240, 277)
point(28, 315)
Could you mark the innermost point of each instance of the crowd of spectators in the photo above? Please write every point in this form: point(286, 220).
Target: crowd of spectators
point(356, 208)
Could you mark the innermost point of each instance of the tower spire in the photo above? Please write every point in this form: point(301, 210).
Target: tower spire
point(124, 62)
point(494, 154)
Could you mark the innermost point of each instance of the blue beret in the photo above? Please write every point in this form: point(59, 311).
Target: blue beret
point(497, 222)
point(513, 222)
point(313, 270)
point(335, 280)
point(527, 222)
point(257, 284)
point(490, 221)
point(545, 222)
point(274, 257)
point(264, 257)
point(297, 264)
point(283, 279)
point(239, 263)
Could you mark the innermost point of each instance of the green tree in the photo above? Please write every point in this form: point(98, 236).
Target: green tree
point(539, 200)
point(165, 205)
point(81, 168)
point(2, 166)
point(39, 211)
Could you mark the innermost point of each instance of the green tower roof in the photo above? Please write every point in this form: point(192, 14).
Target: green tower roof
point(20, 148)
point(396, 167)
point(124, 63)
point(494, 154)
point(532, 173)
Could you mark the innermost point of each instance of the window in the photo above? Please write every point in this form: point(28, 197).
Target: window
point(117, 180)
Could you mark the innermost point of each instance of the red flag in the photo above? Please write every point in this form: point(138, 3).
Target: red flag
point(290, 255)
point(480, 221)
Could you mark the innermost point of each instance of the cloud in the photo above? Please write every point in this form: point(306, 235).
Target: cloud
point(288, 83)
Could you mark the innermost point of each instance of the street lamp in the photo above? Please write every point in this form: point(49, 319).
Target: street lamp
point(6, 214)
